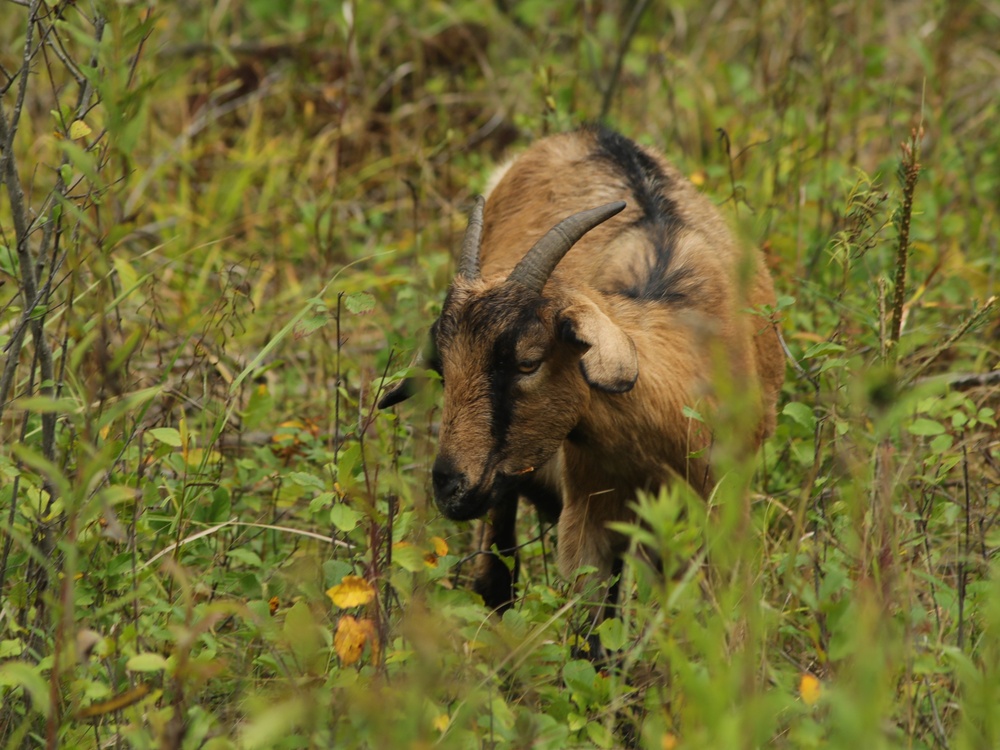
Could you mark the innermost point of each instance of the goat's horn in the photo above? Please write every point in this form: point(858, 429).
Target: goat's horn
point(537, 265)
point(468, 261)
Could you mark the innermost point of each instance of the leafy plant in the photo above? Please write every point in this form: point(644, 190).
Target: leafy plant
point(226, 226)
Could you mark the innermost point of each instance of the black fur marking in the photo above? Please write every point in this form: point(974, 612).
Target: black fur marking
point(502, 372)
point(547, 502)
point(578, 437)
point(660, 282)
point(434, 358)
point(495, 581)
point(505, 310)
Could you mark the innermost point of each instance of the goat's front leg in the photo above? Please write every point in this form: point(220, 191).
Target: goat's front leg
point(586, 541)
point(493, 579)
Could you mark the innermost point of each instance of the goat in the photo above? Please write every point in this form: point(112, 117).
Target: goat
point(569, 347)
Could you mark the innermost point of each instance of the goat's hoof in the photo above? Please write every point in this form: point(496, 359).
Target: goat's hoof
point(495, 583)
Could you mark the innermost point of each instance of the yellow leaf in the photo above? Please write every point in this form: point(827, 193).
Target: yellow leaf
point(809, 689)
point(350, 638)
point(440, 546)
point(441, 722)
point(668, 741)
point(183, 429)
point(353, 591)
point(79, 129)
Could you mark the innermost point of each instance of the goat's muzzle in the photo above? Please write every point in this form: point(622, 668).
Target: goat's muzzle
point(455, 498)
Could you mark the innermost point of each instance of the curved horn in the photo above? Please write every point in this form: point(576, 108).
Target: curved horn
point(468, 260)
point(534, 269)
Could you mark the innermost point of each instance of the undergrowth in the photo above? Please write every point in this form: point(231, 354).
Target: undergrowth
point(225, 227)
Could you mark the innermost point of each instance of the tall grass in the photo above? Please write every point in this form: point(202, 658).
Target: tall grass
point(224, 226)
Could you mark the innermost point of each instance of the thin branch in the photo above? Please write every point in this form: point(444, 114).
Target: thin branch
point(19, 215)
point(975, 319)
point(630, 29)
point(8, 167)
point(56, 45)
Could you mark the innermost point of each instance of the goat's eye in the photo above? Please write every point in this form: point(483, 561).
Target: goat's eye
point(528, 366)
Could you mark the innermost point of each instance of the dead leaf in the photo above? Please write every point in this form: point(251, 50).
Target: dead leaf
point(350, 639)
point(353, 591)
point(440, 546)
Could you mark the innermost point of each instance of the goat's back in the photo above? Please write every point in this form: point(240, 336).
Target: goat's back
point(669, 257)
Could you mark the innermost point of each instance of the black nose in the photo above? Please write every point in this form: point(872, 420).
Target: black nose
point(448, 482)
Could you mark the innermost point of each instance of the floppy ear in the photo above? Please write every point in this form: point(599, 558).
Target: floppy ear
point(610, 362)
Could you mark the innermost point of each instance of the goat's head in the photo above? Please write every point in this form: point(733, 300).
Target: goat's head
point(518, 365)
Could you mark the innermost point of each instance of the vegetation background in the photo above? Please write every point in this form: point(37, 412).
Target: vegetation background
point(223, 224)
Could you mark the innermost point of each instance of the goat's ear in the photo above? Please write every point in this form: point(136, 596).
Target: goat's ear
point(406, 387)
point(397, 393)
point(610, 361)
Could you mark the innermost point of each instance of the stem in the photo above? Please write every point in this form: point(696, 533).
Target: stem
point(630, 29)
point(909, 171)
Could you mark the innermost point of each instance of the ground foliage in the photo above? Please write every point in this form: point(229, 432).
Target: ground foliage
point(224, 224)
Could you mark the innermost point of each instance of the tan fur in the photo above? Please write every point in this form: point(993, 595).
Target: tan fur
point(616, 425)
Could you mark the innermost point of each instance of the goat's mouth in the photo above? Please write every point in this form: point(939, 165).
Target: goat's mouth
point(461, 502)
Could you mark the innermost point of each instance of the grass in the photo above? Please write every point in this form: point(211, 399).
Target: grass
point(226, 224)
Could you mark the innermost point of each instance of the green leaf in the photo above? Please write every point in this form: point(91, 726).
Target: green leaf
point(11, 648)
point(691, 413)
point(47, 405)
point(941, 443)
point(311, 323)
point(167, 435)
point(259, 407)
point(800, 413)
point(924, 427)
point(22, 674)
point(346, 465)
point(308, 481)
point(304, 634)
point(126, 273)
point(246, 556)
point(612, 634)
point(221, 506)
point(82, 159)
point(271, 724)
point(343, 517)
point(146, 663)
point(408, 557)
point(821, 349)
point(359, 303)
point(599, 735)
point(321, 501)
point(579, 676)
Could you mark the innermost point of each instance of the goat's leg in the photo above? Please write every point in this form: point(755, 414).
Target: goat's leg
point(585, 541)
point(493, 579)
